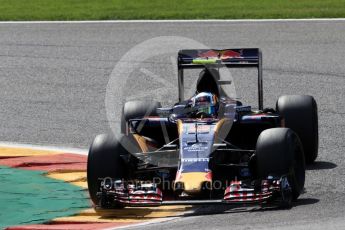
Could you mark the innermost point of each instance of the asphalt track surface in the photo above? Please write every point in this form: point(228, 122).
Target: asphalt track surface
point(53, 80)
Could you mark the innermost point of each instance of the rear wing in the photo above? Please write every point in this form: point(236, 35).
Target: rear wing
point(229, 57)
point(213, 58)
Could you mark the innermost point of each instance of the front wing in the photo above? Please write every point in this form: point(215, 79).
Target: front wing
point(269, 191)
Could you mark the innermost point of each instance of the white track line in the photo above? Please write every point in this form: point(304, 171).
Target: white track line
point(47, 148)
point(178, 21)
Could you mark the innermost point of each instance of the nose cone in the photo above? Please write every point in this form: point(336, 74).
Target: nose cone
point(194, 182)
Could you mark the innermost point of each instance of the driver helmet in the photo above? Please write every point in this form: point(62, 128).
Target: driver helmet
point(206, 102)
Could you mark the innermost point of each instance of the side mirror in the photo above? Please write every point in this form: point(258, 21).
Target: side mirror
point(220, 82)
point(164, 112)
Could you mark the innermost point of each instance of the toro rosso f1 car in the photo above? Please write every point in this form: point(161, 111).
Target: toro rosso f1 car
point(208, 149)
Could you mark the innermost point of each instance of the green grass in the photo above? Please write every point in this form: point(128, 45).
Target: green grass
point(168, 9)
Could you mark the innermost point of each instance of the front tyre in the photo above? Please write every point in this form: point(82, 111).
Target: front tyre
point(104, 160)
point(279, 152)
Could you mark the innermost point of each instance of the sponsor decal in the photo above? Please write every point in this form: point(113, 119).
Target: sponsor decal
point(199, 128)
point(221, 54)
point(215, 56)
point(195, 159)
point(195, 147)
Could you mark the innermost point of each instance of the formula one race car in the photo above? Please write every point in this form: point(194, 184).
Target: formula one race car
point(208, 149)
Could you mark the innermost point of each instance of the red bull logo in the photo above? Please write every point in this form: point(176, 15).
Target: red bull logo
point(221, 54)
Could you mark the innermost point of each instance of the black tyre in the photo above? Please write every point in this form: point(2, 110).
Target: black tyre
point(279, 152)
point(104, 160)
point(138, 109)
point(300, 115)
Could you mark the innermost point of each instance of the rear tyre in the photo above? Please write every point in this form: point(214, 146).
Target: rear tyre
point(104, 160)
point(137, 109)
point(300, 115)
point(279, 152)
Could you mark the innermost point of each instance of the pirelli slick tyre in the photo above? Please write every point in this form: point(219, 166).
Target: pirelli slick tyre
point(300, 114)
point(279, 152)
point(137, 109)
point(104, 160)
